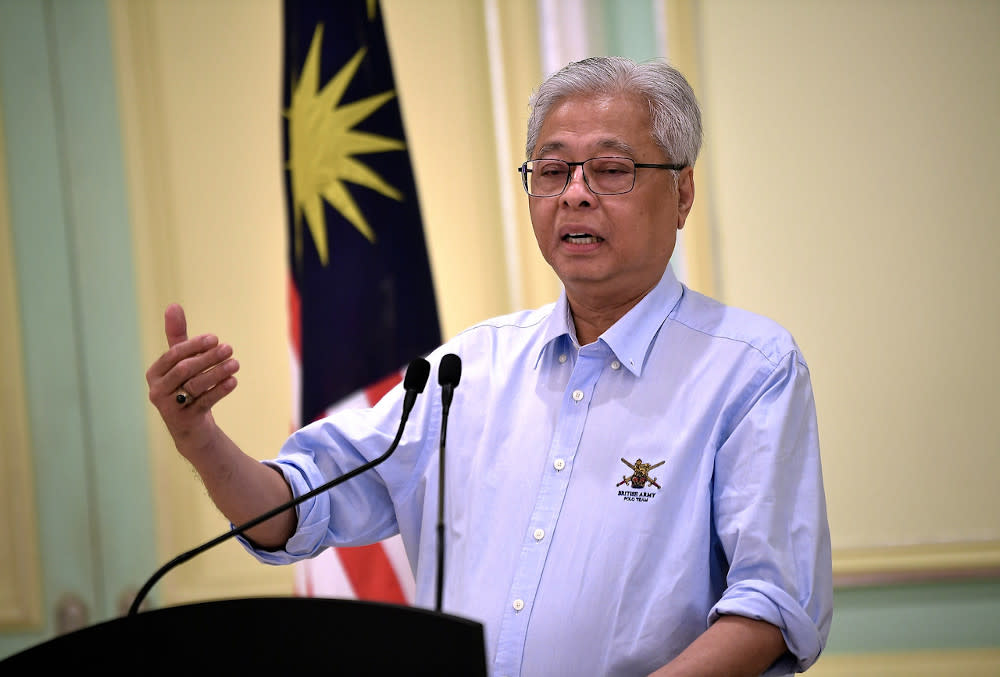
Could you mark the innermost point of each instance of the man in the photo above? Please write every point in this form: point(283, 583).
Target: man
point(718, 563)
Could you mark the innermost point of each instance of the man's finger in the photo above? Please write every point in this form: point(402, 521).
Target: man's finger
point(175, 324)
point(208, 399)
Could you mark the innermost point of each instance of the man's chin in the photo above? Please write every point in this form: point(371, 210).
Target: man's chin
point(581, 272)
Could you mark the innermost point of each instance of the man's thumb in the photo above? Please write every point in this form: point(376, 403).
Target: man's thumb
point(175, 324)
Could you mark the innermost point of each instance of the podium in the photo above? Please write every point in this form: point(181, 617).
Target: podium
point(283, 634)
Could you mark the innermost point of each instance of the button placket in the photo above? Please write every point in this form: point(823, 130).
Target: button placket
point(571, 419)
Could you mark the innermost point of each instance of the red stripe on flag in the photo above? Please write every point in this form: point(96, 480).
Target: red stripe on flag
point(377, 390)
point(294, 319)
point(371, 574)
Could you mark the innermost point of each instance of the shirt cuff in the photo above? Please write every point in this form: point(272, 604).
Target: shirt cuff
point(312, 514)
point(764, 601)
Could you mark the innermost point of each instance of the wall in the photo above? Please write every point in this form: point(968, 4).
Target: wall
point(851, 157)
point(854, 158)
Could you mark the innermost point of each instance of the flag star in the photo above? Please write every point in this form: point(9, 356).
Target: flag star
point(323, 146)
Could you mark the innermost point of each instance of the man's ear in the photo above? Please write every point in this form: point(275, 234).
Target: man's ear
point(685, 195)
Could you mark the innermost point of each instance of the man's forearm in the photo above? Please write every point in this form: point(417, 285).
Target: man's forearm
point(732, 646)
point(243, 488)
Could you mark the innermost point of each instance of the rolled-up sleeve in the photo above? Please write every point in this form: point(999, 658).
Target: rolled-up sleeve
point(353, 513)
point(770, 515)
point(313, 515)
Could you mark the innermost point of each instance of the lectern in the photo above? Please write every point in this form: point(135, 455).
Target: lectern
point(289, 635)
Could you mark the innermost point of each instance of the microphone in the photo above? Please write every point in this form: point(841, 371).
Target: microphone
point(449, 373)
point(413, 383)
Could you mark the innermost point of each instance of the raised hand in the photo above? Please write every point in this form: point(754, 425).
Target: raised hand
point(184, 384)
point(188, 379)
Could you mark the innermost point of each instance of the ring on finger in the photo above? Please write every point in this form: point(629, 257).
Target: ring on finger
point(183, 397)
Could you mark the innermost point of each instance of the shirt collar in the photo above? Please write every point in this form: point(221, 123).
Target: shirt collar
point(630, 337)
point(558, 333)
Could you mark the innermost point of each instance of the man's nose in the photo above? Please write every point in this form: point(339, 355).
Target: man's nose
point(577, 183)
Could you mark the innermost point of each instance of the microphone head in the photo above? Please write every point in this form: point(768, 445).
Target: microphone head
point(450, 370)
point(416, 375)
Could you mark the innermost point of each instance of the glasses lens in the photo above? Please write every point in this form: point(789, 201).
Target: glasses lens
point(545, 178)
point(610, 175)
point(604, 176)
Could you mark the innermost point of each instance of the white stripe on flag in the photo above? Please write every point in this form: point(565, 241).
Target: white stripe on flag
point(322, 576)
point(396, 554)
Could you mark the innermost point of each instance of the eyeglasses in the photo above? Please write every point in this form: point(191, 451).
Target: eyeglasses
point(547, 177)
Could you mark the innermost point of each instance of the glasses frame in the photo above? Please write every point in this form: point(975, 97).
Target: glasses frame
point(524, 171)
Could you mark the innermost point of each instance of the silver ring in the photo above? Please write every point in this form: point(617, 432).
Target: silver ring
point(183, 397)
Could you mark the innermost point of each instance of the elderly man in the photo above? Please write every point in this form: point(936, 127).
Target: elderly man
point(634, 482)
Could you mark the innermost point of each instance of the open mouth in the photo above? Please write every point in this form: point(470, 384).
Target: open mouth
point(582, 238)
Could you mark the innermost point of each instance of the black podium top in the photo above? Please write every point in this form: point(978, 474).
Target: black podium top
point(284, 634)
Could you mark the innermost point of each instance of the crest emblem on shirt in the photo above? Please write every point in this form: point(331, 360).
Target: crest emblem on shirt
point(638, 481)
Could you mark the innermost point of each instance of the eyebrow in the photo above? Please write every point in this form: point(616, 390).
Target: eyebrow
point(609, 144)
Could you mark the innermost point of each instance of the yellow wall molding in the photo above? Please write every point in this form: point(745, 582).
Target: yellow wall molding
point(858, 566)
point(967, 662)
point(20, 591)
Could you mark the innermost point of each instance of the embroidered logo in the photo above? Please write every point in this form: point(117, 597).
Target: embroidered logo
point(638, 480)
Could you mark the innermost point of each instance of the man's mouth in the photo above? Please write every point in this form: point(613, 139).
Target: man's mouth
point(582, 238)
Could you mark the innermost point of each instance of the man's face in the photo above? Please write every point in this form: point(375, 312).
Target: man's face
point(608, 250)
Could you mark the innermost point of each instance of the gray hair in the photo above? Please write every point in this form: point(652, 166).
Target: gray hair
point(673, 109)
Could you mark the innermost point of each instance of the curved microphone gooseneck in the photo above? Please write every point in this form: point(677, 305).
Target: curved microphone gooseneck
point(449, 373)
point(413, 383)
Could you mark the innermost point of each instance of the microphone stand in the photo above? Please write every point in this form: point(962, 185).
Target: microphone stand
point(440, 522)
point(449, 373)
point(412, 390)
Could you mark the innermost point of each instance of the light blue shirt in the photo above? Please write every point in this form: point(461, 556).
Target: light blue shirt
point(577, 559)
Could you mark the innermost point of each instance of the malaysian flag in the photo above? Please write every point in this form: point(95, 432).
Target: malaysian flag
point(361, 297)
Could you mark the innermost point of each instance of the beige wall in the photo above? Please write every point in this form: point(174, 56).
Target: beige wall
point(200, 109)
point(853, 154)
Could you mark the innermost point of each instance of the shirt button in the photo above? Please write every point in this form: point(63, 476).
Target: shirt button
point(539, 534)
point(577, 395)
point(559, 464)
point(616, 365)
point(563, 358)
point(518, 604)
